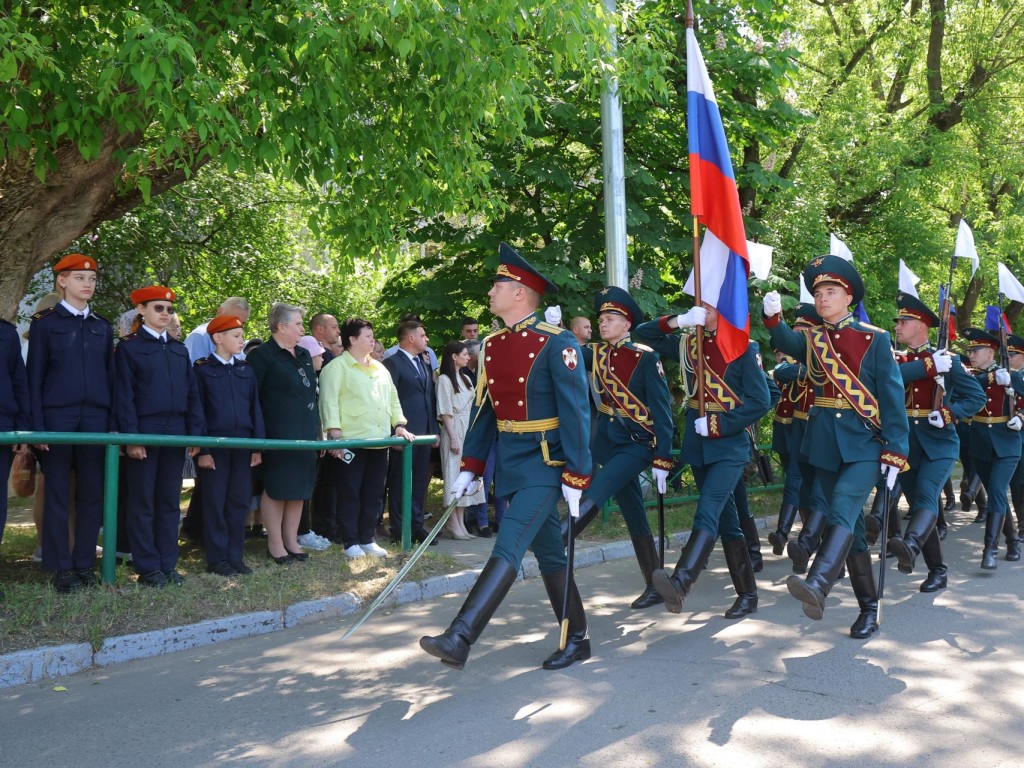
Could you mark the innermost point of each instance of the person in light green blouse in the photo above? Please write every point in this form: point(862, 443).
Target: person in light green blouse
point(359, 401)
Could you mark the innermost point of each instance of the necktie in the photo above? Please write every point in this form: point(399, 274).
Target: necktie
point(421, 369)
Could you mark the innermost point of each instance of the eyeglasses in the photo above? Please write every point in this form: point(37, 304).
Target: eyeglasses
point(163, 308)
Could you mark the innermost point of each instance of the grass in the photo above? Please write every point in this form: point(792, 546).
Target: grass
point(32, 614)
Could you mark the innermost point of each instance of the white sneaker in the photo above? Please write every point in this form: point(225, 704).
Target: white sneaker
point(373, 548)
point(37, 556)
point(323, 541)
point(312, 541)
point(354, 551)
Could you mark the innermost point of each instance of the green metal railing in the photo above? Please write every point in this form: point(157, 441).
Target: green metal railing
point(113, 442)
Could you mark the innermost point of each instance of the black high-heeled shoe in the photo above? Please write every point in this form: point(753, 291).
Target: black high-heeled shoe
point(282, 560)
point(297, 556)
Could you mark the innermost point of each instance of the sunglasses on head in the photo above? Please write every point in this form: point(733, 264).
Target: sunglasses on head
point(162, 308)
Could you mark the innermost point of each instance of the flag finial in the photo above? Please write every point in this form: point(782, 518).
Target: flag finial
point(689, 14)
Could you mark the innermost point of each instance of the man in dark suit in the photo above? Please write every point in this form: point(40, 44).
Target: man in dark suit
point(415, 384)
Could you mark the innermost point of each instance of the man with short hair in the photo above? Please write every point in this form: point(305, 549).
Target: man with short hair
point(324, 328)
point(470, 328)
point(198, 341)
point(415, 384)
point(580, 327)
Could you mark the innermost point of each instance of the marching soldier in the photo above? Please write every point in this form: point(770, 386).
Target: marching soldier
point(933, 442)
point(995, 439)
point(532, 391)
point(717, 448)
point(634, 427)
point(1015, 347)
point(71, 381)
point(856, 428)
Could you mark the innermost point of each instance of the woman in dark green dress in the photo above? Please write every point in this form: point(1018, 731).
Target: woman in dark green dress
point(287, 386)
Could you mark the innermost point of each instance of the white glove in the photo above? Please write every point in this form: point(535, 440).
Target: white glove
point(1015, 424)
point(695, 316)
point(462, 483)
point(772, 303)
point(890, 473)
point(943, 361)
point(936, 420)
point(572, 497)
point(1002, 377)
point(661, 479)
point(701, 426)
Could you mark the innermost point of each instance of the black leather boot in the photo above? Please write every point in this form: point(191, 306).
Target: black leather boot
point(981, 499)
point(803, 547)
point(1017, 500)
point(828, 561)
point(908, 547)
point(577, 646)
point(647, 557)
point(873, 519)
point(932, 553)
point(452, 646)
point(749, 527)
point(588, 514)
point(941, 525)
point(1012, 542)
point(676, 586)
point(862, 579)
point(737, 557)
point(947, 491)
point(780, 536)
point(993, 525)
point(966, 499)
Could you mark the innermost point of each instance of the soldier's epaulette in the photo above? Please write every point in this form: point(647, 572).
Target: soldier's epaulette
point(547, 327)
point(642, 347)
point(44, 313)
point(130, 337)
point(871, 327)
point(200, 361)
point(495, 335)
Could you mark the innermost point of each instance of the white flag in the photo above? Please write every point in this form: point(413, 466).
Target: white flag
point(908, 280)
point(1009, 285)
point(714, 260)
point(760, 257)
point(838, 248)
point(965, 246)
point(805, 295)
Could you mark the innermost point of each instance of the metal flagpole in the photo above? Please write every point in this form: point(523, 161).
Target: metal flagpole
point(614, 171)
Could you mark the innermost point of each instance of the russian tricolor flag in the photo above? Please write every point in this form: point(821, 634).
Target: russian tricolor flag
point(716, 203)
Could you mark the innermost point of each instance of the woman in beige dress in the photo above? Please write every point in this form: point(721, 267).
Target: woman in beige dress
point(454, 402)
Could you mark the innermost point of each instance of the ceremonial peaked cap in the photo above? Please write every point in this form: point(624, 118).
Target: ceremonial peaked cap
point(76, 261)
point(614, 299)
point(807, 311)
point(512, 266)
point(1015, 343)
point(152, 293)
point(979, 338)
point(224, 323)
point(909, 307)
point(835, 270)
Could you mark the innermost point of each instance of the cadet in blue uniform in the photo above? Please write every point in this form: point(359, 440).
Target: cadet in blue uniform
point(231, 407)
point(717, 447)
point(532, 391)
point(70, 375)
point(1015, 347)
point(634, 427)
point(934, 445)
point(995, 439)
point(156, 394)
point(856, 428)
point(15, 410)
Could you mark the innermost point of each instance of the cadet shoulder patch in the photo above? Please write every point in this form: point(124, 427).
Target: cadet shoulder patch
point(570, 358)
point(201, 361)
point(44, 313)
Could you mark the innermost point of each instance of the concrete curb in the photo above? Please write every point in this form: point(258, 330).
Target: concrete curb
point(38, 664)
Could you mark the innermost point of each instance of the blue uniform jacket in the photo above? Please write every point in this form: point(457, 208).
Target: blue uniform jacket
point(230, 399)
point(729, 439)
point(531, 371)
point(963, 398)
point(835, 436)
point(70, 365)
point(990, 437)
point(155, 387)
point(15, 410)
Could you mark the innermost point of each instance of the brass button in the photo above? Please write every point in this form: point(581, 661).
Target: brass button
point(532, 355)
point(520, 402)
point(488, 358)
point(521, 379)
point(839, 415)
point(490, 381)
point(525, 334)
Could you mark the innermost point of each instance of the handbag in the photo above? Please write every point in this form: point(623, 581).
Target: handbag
point(23, 474)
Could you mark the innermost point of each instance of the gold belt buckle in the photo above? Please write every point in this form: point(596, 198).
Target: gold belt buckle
point(507, 425)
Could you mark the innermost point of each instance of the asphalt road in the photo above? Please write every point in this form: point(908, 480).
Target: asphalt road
point(941, 685)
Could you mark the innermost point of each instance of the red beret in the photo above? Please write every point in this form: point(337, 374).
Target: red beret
point(223, 323)
point(76, 261)
point(152, 293)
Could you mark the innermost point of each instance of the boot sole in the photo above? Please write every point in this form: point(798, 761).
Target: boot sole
point(668, 591)
point(904, 554)
point(811, 600)
point(778, 543)
point(427, 644)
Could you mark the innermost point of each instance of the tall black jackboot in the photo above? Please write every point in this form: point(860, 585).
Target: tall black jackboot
point(873, 519)
point(908, 547)
point(932, 553)
point(803, 547)
point(981, 499)
point(780, 536)
point(941, 526)
point(947, 491)
point(862, 579)
point(577, 646)
point(588, 514)
point(749, 527)
point(966, 497)
point(452, 646)
point(737, 557)
point(993, 525)
point(676, 586)
point(828, 561)
point(647, 557)
point(1017, 499)
point(1012, 542)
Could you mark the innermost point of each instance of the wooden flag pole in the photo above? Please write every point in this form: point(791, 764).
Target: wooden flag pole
point(699, 368)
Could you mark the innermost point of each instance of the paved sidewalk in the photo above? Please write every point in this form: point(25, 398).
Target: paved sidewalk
point(940, 686)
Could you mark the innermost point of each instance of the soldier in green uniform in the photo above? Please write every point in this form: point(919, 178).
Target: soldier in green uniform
point(856, 428)
point(937, 391)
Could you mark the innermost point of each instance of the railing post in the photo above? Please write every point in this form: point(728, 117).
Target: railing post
point(110, 483)
point(407, 496)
